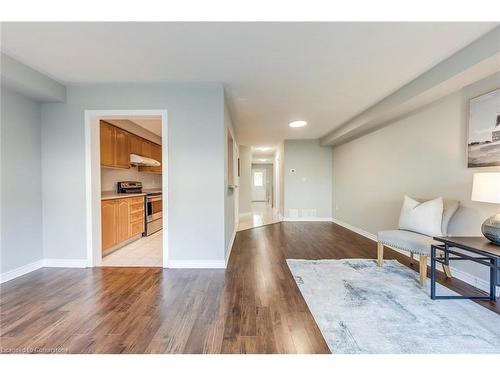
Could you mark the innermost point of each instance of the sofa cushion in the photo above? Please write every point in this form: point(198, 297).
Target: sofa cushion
point(450, 207)
point(422, 217)
point(405, 240)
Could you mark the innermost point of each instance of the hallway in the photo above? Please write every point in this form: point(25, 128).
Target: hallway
point(262, 214)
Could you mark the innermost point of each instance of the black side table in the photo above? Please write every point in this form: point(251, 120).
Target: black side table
point(482, 251)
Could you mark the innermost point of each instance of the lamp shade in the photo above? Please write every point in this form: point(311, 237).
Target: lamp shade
point(486, 187)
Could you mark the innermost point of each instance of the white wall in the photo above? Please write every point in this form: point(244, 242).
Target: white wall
point(245, 184)
point(230, 197)
point(196, 165)
point(110, 177)
point(21, 190)
point(422, 155)
point(279, 170)
point(310, 187)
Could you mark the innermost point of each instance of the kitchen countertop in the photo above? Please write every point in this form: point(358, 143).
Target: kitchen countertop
point(105, 195)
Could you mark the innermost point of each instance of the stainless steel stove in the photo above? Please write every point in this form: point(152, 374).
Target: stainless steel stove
point(153, 204)
point(154, 214)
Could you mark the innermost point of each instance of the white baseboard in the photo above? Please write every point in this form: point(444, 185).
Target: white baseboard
point(357, 230)
point(230, 248)
point(20, 271)
point(65, 263)
point(196, 264)
point(23, 270)
point(307, 219)
point(457, 273)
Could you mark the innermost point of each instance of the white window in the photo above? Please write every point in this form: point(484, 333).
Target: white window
point(258, 179)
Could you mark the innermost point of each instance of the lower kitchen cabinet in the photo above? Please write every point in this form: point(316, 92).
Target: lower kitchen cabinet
point(121, 220)
point(108, 224)
point(123, 225)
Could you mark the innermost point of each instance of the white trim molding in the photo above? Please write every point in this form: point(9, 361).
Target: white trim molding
point(229, 249)
point(51, 263)
point(65, 263)
point(307, 219)
point(357, 230)
point(456, 273)
point(20, 271)
point(93, 177)
point(196, 264)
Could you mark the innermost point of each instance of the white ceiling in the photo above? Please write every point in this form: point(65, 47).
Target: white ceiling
point(273, 73)
point(151, 124)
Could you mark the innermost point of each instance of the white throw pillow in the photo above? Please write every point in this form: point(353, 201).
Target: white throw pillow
point(425, 217)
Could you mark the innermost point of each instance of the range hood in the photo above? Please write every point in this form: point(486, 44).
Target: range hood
point(142, 161)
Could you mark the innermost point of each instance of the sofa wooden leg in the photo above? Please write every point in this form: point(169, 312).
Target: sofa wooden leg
point(412, 259)
point(380, 254)
point(423, 270)
point(446, 270)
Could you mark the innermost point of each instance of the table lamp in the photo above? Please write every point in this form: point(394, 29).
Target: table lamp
point(486, 188)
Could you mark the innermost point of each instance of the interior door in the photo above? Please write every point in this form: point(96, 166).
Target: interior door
point(259, 185)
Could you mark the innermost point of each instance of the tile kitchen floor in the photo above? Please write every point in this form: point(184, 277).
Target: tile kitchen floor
point(145, 252)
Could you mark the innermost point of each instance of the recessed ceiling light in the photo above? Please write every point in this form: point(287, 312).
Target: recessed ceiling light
point(297, 124)
point(263, 148)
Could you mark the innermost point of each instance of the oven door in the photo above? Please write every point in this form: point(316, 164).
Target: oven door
point(154, 207)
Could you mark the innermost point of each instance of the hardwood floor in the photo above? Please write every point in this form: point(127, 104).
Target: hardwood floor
point(253, 306)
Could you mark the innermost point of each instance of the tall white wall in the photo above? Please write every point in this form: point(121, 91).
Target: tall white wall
point(310, 186)
point(279, 171)
point(422, 155)
point(196, 165)
point(21, 189)
point(230, 197)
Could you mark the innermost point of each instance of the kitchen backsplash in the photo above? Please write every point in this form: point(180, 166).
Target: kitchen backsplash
point(109, 178)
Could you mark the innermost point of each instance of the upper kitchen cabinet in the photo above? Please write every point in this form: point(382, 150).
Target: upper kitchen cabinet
point(108, 144)
point(156, 155)
point(115, 146)
point(135, 144)
point(146, 148)
point(122, 149)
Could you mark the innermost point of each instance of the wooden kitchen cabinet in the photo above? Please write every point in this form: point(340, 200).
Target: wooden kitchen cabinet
point(135, 144)
point(117, 145)
point(122, 149)
point(146, 148)
point(121, 220)
point(156, 155)
point(108, 224)
point(108, 144)
point(114, 146)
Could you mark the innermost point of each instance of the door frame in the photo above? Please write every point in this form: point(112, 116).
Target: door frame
point(93, 177)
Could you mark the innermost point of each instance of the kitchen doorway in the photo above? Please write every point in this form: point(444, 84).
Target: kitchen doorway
point(127, 215)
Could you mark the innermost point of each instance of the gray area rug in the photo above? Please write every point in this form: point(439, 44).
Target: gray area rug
point(361, 308)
